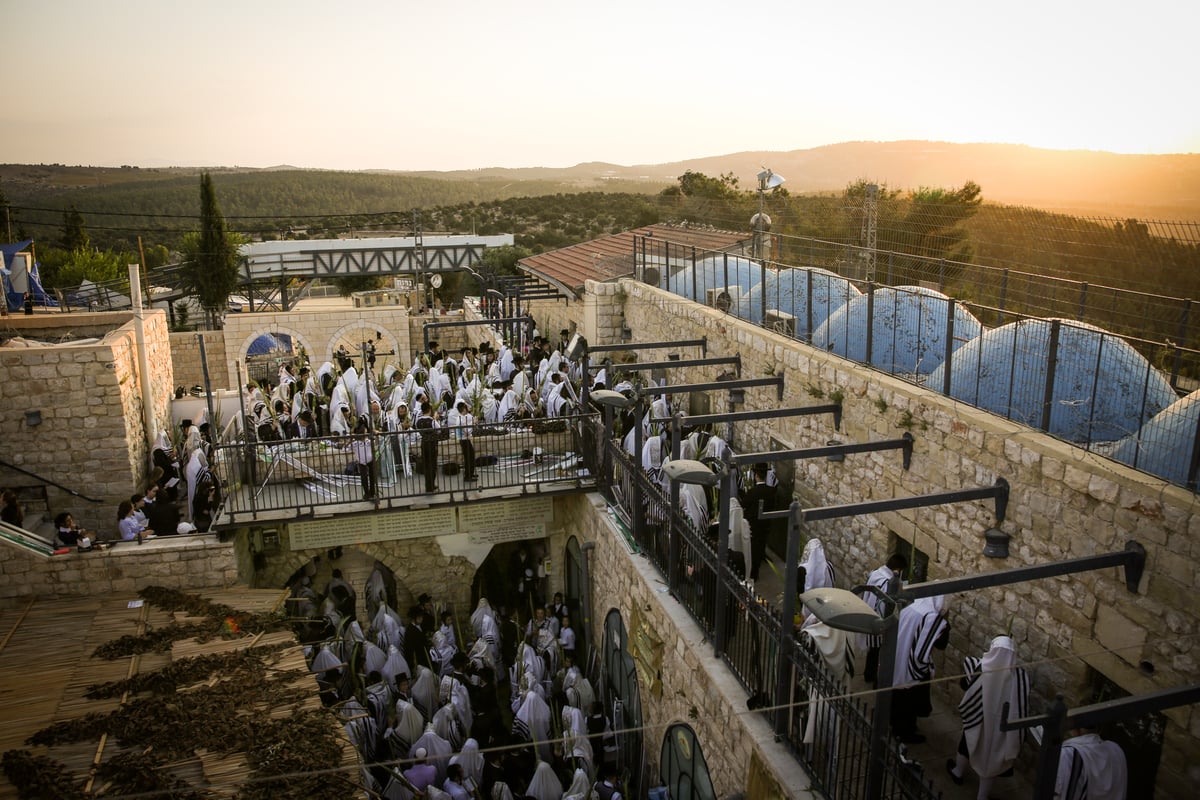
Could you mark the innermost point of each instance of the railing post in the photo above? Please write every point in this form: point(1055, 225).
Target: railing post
point(947, 361)
point(870, 325)
point(1083, 290)
point(672, 534)
point(1051, 368)
point(1048, 753)
point(720, 600)
point(1183, 327)
point(1003, 296)
point(881, 717)
point(808, 326)
point(787, 623)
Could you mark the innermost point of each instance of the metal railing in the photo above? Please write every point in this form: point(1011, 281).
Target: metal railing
point(837, 759)
point(1024, 346)
point(294, 475)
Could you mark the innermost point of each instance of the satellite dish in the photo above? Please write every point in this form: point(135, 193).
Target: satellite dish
point(652, 276)
point(769, 180)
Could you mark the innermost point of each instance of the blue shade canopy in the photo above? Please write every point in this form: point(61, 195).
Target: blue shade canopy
point(788, 291)
point(908, 335)
point(1163, 446)
point(1103, 388)
point(713, 272)
point(270, 343)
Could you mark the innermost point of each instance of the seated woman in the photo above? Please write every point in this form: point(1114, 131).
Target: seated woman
point(68, 532)
point(128, 525)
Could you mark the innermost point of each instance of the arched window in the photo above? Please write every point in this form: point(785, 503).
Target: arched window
point(684, 770)
point(623, 705)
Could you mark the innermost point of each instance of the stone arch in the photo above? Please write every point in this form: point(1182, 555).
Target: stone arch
point(298, 340)
point(385, 335)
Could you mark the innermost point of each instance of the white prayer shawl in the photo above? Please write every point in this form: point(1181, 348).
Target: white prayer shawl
point(359, 728)
point(325, 369)
point(694, 501)
point(557, 405)
point(921, 624)
point(338, 424)
point(394, 665)
point(471, 761)
point(579, 788)
point(374, 658)
point(818, 574)
point(652, 456)
point(630, 443)
point(997, 680)
point(739, 528)
point(482, 609)
point(375, 594)
point(453, 691)
point(340, 395)
point(879, 578)
point(715, 448)
point(601, 377)
point(325, 660)
point(575, 738)
point(508, 407)
point(531, 723)
point(1091, 768)
point(544, 785)
point(834, 647)
point(437, 750)
point(444, 649)
point(532, 665)
point(481, 656)
point(386, 628)
point(425, 691)
point(408, 728)
point(491, 636)
point(448, 725)
point(500, 791)
point(197, 464)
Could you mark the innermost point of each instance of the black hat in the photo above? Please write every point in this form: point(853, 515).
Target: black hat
point(187, 423)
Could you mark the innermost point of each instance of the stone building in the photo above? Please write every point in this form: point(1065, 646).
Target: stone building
point(1084, 635)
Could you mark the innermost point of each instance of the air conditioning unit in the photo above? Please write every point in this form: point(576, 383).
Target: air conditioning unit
point(780, 322)
point(723, 297)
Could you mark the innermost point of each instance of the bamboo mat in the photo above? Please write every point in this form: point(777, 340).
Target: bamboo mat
point(46, 657)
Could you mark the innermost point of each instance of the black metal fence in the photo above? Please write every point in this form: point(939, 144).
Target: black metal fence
point(1030, 348)
point(837, 758)
point(535, 456)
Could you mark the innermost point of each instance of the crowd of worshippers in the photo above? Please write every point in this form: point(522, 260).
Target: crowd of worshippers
point(1090, 767)
point(486, 385)
point(496, 709)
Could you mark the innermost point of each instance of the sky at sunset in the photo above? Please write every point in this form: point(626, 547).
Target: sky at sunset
point(459, 85)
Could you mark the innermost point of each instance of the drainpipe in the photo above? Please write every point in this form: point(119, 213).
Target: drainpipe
point(586, 549)
point(135, 294)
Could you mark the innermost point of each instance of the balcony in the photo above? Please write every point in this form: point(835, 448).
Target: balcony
point(298, 478)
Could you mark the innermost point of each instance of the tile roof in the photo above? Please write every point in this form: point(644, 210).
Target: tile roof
point(612, 256)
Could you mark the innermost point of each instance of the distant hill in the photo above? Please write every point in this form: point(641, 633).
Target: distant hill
point(1069, 181)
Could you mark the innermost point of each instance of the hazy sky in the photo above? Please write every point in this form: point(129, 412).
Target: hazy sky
point(455, 85)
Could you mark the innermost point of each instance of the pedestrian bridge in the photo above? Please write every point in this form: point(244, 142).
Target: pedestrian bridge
point(264, 261)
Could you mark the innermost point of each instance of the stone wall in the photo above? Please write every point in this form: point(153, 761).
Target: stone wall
point(92, 436)
point(185, 358)
point(186, 562)
point(1064, 503)
point(697, 689)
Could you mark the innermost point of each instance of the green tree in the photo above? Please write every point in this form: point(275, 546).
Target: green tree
point(75, 235)
point(933, 230)
point(211, 271)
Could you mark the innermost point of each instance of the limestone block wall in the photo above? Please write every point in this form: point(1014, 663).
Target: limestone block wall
point(1064, 503)
point(185, 563)
point(697, 688)
point(317, 331)
point(92, 436)
point(185, 358)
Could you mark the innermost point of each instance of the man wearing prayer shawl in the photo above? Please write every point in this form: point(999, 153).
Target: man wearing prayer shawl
point(887, 580)
point(408, 728)
point(990, 682)
point(1091, 768)
point(922, 629)
point(833, 646)
point(544, 785)
point(531, 724)
point(579, 788)
point(471, 761)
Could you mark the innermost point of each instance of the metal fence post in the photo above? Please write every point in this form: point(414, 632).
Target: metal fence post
point(1051, 367)
point(947, 362)
point(787, 623)
point(1003, 296)
point(720, 596)
point(870, 325)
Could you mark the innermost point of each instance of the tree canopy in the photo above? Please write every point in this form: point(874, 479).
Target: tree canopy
point(211, 268)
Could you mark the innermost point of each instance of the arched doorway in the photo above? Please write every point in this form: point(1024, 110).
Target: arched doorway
point(502, 578)
point(622, 701)
point(684, 770)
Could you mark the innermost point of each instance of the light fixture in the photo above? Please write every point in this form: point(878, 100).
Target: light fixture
point(769, 180)
point(997, 543)
point(843, 610)
point(607, 397)
point(687, 470)
point(737, 396)
point(33, 418)
point(835, 458)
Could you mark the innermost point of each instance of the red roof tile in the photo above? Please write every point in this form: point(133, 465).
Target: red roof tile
point(612, 256)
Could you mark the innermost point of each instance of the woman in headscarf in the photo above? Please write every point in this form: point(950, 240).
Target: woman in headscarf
point(544, 785)
point(990, 683)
